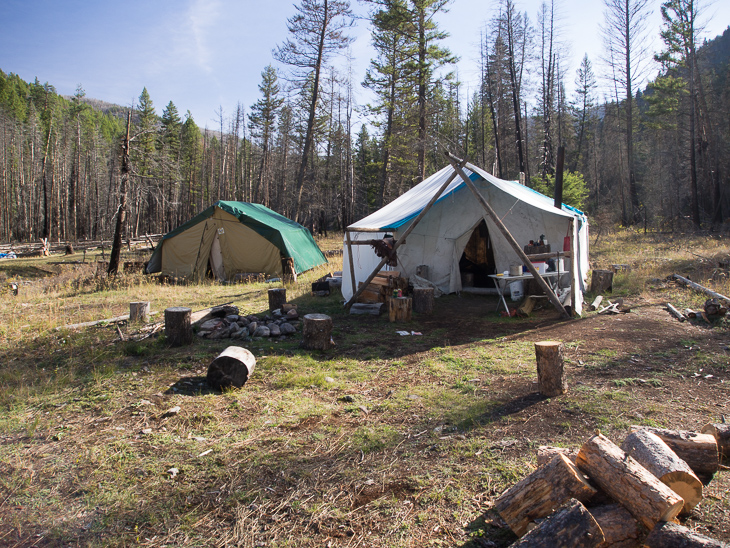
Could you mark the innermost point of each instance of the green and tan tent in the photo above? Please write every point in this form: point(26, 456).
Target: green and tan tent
point(231, 238)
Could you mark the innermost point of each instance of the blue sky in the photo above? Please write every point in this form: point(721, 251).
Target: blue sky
point(206, 54)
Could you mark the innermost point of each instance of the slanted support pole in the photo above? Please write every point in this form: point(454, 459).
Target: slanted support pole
point(351, 260)
point(402, 239)
point(508, 236)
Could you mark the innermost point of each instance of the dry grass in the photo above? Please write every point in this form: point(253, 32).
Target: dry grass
point(384, 441)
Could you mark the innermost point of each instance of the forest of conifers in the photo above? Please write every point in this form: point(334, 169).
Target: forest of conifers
point(648, 154)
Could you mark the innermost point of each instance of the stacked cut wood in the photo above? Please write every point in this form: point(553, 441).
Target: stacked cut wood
point(382, 286)
point(619, 496)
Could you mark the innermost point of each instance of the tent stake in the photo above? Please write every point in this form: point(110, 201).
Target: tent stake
point(457, 164)
point(402, 239)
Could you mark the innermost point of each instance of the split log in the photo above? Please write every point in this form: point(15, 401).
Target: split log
point(139, 311)
point(551, 379)
point(676, 313)
point(672, 535)
point(721, 433)
point(653, 454)
point(596, 302)
point(218, 311)
point(399, 309)
point(375, 309)
point(178, 329)
point(546, 453)
point(571, 525)
point(317, 332)
point(627, 482)
point(277, 298)
point(698, 450)
point(619, 527)
point(689, 313)
point(538, 494)
point(601, 281)
point(232, 368)
point(423, 300)
point(525, 309)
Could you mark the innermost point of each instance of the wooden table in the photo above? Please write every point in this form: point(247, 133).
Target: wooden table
point(502, 280)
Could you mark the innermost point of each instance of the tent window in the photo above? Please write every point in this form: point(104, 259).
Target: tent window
point(477, 261)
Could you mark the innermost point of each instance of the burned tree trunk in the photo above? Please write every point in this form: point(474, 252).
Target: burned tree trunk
point(423, 300)
point(277, 298)
point(122, 210)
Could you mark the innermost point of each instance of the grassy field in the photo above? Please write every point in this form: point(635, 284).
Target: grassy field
point(382, 441)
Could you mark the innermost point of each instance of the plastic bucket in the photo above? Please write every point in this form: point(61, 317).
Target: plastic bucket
point(517, 290)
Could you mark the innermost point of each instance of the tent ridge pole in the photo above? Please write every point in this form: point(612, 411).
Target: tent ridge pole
point(457, 164)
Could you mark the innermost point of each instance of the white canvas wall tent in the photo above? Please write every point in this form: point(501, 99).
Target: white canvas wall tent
point(230, 238)
point(456, 237)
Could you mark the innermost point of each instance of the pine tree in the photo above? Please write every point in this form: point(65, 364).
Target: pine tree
point(262, 122)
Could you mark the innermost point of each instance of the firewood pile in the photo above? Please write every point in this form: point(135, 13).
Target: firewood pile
point(382, 286)
point(227, 323)
point(621, 496)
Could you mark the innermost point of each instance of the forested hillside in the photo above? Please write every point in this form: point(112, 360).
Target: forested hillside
point(655, 155)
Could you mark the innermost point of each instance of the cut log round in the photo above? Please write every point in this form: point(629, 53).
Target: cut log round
point(139, 311)
point(571, 525)
point(601, 281)
point(721, 432)
point(277, 298)
point(698, 450)
point(619, 527)
point(423, 300)
point(653, 454)
point(232, 368)
point(317, 332)
point(546, 453)
point(178, 329)
point(596, 302)
point(538, 494)
point(399, 309)
point(672, 535)
point(551, 379)
point(627, 482)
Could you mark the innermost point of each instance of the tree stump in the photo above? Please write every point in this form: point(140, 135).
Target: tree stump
point(653, 454)
point(618, 525)
point(277, 298)
point(139, 311)
point(571, 525)
point(627, 482)
point(232, 368)
point(551, 379)
point(721, 432)
point(601, 281)
point(399, 309)
point(536, 495)
point(698, 450)
point(423, 300)
point(672, 535)
point(178, 329)
point(317, 332)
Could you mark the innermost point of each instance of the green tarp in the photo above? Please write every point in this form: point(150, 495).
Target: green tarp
point(246, 237)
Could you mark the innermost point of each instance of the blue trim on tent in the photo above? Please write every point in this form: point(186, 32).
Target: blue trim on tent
point(473, 177)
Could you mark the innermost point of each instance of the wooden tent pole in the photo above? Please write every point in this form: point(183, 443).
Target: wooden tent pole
point(402, 239)
point(508, 236)
point(351, 260)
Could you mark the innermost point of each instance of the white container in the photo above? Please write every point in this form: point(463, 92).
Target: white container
point(517, 290)
point(540, 266)
point(515, 270)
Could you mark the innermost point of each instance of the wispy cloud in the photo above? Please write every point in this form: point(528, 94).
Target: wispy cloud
point(201, 19)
